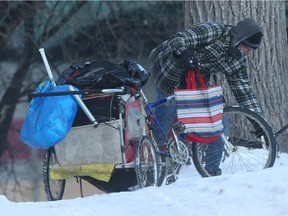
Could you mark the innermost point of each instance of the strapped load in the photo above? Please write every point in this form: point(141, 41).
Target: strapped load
point(104, 74)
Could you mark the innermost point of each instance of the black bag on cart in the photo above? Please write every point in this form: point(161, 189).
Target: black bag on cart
point(101, 74)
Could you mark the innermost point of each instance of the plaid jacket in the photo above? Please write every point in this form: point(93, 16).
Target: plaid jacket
point(210, 42)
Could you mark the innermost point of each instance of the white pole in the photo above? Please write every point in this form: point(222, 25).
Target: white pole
point(71, 88)
point(83, 106)
point(42, 52)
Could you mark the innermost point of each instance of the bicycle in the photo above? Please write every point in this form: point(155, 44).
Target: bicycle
point(244, 149)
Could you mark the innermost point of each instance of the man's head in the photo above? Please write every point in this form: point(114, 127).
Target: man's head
point(247, 33)
point(254, 41)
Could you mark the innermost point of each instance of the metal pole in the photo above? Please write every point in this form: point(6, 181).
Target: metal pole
point(42, 52)
point(83, 106)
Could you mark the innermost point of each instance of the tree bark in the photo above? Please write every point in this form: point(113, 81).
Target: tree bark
point(267, 65)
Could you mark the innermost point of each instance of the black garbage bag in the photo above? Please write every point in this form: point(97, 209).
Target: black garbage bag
point(136, 71)
point(100, 74)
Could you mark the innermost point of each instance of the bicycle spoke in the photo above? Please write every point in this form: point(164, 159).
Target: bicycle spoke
point(244, 150)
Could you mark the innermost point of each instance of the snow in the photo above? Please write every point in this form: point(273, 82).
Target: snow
point(263, 192)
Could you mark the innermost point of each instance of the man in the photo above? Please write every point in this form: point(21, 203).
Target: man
point(217, 48)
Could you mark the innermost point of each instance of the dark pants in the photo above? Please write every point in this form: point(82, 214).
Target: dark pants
point(214, 151)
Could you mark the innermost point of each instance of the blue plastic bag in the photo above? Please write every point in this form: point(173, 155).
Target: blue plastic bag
point(50, 118)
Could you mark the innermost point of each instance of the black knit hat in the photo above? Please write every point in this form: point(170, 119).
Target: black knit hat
point(248, 32)
point(254, 41)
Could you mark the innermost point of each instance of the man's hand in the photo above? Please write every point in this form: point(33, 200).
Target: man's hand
point(188, 60)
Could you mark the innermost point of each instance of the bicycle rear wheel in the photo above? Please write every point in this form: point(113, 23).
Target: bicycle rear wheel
point(146, 163)
point(244, 150)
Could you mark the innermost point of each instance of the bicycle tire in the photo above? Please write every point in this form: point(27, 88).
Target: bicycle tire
point(54, 189)
point(248, 155)
point(146, 163)
point(161, 161)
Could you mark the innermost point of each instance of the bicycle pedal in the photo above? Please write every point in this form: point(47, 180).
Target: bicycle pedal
point(188, 163)
point(171, 179)
point(178, 127)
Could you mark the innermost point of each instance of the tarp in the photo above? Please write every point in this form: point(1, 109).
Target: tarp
point(101, 172)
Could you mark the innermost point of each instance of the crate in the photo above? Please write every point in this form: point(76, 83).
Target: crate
point(91, 145)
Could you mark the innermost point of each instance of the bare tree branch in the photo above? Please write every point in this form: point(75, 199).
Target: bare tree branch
point(78, 5)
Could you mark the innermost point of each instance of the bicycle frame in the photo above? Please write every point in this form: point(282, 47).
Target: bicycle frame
point(172, 135)
point(149, 109)
point(173, 149)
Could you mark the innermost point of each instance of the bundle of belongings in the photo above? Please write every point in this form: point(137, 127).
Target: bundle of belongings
point(101, 74)
point(50, 118)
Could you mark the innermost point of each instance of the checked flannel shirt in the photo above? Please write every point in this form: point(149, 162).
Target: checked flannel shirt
point(210, 42)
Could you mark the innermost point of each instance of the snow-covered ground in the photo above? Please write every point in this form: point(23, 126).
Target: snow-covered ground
point(262, 193)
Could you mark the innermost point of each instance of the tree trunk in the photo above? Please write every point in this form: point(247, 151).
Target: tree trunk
point(268, 65)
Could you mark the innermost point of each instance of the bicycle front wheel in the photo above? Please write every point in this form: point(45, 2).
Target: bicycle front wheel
point(244, 150)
